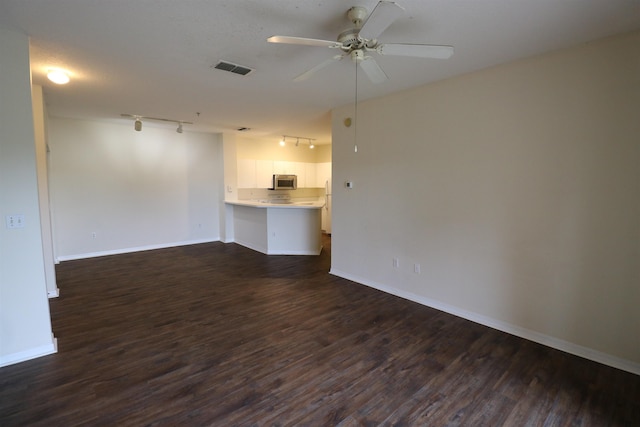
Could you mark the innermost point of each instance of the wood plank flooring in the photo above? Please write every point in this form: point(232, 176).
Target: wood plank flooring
point(216, 334)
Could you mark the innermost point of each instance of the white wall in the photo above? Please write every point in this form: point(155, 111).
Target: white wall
point(270, 149)
point(39, 121)
point(25, 325)
point(516, 189)
point(323, 153)
point(134, 190)
point(230, 185)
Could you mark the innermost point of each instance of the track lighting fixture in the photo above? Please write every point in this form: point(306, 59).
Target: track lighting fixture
point(283, 141)
point(137, 125)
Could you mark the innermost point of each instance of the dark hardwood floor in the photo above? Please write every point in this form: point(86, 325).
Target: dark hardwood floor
point(217, 334)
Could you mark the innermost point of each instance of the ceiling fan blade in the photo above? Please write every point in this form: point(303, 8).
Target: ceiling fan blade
point(320, 66)
point(303, 41)
point(373, 70)
point(381, 17)
point(416, 50)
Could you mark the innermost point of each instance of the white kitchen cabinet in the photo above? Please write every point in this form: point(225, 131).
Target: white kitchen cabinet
point(323, 174)
point(264, 173)
point(311, 175)
point(298, 169)
point(259, 173)
point(246, 173)
point(324, 181)
point(291, 168)
point(281, 167)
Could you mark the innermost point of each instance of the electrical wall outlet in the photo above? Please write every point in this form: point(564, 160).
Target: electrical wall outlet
point(15, 221)
point(396, 263)
point(416, 268)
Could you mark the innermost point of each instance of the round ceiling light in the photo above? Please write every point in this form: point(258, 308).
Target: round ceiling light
point(59, 77)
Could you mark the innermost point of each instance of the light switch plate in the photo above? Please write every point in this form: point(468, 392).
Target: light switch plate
point(15, 221)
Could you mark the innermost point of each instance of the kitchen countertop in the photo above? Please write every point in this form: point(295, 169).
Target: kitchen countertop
point(293, 204)
point(277, 227)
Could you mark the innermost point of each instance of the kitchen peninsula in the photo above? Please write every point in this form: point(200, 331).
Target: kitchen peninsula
point(278, 228)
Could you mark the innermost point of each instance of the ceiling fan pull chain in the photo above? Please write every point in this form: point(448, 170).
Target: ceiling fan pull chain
point(355, 113)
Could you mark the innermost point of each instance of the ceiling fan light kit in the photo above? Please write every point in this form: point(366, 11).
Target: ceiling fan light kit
point(357, 15)
point(361, 39)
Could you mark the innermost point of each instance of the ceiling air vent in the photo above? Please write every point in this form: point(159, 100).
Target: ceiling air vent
point(233, 68)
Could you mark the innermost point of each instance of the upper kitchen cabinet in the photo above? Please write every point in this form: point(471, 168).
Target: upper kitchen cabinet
point(247, 177)
point(258, 160)
point(292, 168)
point(258, 173)
point(323, 174)
point(255, 173)
point(264, 173)
point(311, 174)
point(287, 168)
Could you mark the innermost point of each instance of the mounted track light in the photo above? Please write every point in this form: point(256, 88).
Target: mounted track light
point(138, 121)
point(283, 141)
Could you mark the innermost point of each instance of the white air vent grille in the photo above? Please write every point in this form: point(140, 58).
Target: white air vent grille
point(232, 68)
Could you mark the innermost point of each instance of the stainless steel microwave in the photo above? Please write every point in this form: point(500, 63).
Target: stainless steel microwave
point(285, 182)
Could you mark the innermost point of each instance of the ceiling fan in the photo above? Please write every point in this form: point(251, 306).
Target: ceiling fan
point(360, 40)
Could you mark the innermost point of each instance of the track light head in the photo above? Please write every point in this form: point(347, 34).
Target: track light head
point(298, 138)
point(137, 125)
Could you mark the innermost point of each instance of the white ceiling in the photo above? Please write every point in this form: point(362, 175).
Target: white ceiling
point(154, 57)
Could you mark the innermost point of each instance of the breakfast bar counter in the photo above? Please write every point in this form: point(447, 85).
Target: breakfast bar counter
point(291, 228)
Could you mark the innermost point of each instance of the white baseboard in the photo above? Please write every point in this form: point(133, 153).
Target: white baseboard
point(252, 246)
point(549, 341)
point(311, 252)
point(54, 294)
point(32, 353)
point(267, 251)
point(133, 249)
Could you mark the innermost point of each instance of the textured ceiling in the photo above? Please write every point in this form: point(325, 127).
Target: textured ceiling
point(155, 57)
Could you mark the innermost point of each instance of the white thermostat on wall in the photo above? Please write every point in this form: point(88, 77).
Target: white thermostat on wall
point(348, 184)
